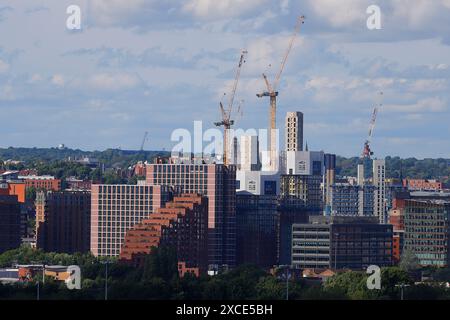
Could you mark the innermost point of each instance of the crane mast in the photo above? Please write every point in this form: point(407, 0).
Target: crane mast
point(227, 122)
point(273, 93)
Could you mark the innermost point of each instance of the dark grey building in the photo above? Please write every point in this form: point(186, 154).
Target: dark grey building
point(257, 222)
point(342, 242)
point(10, 223)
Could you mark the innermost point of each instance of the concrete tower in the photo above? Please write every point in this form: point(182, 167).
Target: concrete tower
point(294, 131)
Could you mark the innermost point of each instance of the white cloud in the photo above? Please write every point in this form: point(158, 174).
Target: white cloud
point(58, 80)
point(113, 82)
point(433, 104)
point(342, 13)
point(213, 9)
point(4, 67)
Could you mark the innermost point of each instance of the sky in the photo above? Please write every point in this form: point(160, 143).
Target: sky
point(156, 66)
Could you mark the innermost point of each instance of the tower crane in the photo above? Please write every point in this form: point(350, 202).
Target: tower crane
point(367, 151)
point(227, 122)
point(273, 93)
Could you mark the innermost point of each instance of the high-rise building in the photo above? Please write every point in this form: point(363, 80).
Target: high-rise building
point(218, 183)
point(341, 243)
point(181, 225)
point(294, 131)
point(329, 180)
point(257, 222)
point(117, 208)
point(379, 182)
point(63, 221)
point(10, 226)
point(426, 234)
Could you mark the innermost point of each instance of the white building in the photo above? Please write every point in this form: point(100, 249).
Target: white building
point(249, 155)
point(305, 162)
point(379, 178)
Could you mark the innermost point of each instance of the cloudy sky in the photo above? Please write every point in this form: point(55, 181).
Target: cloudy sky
point(148, 65)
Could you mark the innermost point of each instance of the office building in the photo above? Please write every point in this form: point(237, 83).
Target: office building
point(342, 242)
point(294, 131)
point(257, 223)
point(426, 225)
point(63, 221)
point(10, 223)
point(182, 225)
point(117, 208)
point(289, 213)
point(218, 183)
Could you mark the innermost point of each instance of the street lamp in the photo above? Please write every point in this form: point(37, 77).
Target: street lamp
point(402, 286)
point(287, 276)
point(106, 262)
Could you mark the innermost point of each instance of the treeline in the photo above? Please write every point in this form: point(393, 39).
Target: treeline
point(158, 279)
point(53, 161)
point(109, 158)
point(395, 167)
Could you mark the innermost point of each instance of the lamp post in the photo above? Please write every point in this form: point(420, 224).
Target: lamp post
point(287, 276)
point(402, 286)
point(106, 262)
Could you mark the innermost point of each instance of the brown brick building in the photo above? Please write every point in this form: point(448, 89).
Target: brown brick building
point(63, 221)
point(182, 225)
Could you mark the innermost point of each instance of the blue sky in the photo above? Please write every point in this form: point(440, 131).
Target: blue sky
point(147, 65)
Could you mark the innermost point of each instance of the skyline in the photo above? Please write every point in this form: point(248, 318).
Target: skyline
point(158, 67)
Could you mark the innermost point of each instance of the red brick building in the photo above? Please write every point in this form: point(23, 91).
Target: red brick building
point(396, 218)
point(182, 224)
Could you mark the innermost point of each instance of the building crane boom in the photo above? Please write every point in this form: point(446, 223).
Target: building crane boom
point(227, 122)
point(273, 93)
point(367, 151)
point(144, 140)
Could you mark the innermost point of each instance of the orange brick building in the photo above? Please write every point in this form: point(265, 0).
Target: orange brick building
point(47, 183)
point(182, 224)
point(422, 184)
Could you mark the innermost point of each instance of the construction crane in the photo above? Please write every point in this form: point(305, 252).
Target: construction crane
point(272, 89)
point(227, 122)
point(367, 151)
point(144, 140)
